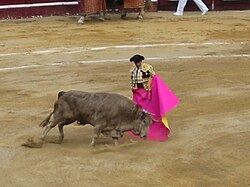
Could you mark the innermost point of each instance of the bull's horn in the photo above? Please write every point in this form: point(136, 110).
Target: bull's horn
point(147, 112)
point(157, 121)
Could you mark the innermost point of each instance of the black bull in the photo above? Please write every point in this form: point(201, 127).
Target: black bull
point(109, 114)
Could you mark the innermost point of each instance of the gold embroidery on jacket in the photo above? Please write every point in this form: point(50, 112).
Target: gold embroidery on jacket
point(138, 78)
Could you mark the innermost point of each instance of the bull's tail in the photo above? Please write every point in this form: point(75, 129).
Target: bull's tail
point(46, 120)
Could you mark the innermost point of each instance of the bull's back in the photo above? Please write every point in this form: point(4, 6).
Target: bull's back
point(89, 103)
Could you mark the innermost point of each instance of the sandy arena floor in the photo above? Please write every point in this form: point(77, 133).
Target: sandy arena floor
point(204, 59)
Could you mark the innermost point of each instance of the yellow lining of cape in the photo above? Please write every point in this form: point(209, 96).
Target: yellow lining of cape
point(165, 121)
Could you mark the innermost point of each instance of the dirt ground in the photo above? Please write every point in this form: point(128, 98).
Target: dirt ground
point(205, 60)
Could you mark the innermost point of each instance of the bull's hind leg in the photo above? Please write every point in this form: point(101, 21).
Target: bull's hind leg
point(60, 128)
point(52, 123)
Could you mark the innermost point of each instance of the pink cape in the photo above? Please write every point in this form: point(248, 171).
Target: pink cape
point(158, 102)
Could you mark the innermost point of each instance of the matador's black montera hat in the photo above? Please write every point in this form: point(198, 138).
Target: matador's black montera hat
point(137, 58)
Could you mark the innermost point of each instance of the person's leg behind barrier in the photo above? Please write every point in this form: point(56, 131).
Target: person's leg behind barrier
point(180, 7)
point(201, 6)
point(141, 13)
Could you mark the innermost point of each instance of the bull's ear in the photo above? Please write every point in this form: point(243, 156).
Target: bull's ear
point(139, 111)
point(138, 107)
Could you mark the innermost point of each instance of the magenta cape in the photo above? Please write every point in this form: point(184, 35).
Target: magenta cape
point(158, 102)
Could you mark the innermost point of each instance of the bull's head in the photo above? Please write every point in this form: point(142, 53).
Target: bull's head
point(144, 121)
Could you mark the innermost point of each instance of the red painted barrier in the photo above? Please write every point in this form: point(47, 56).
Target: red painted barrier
point(29, 8)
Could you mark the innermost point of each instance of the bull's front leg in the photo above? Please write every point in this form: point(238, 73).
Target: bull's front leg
point(97, 131)
point(115, 134)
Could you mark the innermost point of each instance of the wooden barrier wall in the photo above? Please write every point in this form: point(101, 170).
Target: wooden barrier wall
point(29, 8)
